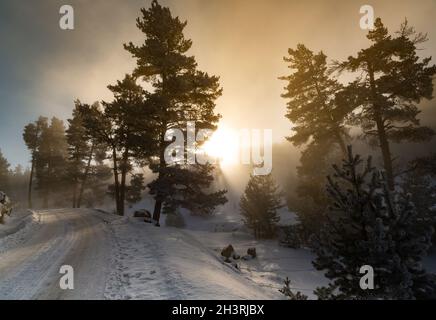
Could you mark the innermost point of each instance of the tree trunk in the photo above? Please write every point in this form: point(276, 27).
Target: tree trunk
point(85, 177)
point(123, 180)
point(382, 136)
point(117, 183)
point(162, 164)
point(29, 192)
point(74, 193)
point(157, 209)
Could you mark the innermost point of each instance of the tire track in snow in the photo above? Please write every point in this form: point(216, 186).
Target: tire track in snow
point(31, 270)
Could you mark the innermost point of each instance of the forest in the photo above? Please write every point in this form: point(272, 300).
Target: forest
point(357, 200)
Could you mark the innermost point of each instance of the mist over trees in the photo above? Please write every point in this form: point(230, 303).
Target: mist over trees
point(364, 210)
point(181, 93)
point(364, 216)
point(129, 132)
point(379, 106)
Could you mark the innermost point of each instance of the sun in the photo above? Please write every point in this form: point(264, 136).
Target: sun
point(223, 145)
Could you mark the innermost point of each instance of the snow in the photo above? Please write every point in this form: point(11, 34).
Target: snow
point(168, 263)
point(17, 228)
point(125, 258)
point(172, 263)
point(29, 268)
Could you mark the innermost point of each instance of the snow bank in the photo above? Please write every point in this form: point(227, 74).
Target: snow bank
point(17, 228)
point(168, 263)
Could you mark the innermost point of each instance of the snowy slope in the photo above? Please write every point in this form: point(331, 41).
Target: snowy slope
point(168, 263)
point(171, 263)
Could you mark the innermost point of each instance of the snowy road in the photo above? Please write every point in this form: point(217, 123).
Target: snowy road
point(79, 238)
point(124, 258)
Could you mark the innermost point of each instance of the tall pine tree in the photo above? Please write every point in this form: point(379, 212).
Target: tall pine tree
point(32, 137)
point(180, 93)
point(317, 107)
point(51, 160)
point(124, 126)
point(394, 80)
point(79, 153)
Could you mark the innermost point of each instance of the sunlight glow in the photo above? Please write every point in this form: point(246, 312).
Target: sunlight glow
point(224, 146)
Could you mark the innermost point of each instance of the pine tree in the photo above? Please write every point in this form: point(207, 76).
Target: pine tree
point(189, 187)
point(79, 152)
point(394, 80)
point(51, 160)
point(180, 92)
point(4, 173)
point(317, 107)
point(259, 205)
point(32, 137)
point(418, 181)
point(122, 125)
point(368, 224)
point(314, 106)
point(97, 175)
point(134, 190)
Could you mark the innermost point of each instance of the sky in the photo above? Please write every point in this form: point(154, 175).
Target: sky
point(43, 69)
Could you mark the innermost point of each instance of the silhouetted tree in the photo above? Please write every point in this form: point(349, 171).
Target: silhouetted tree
point(393, 81)
point(317, 107)
point(79, 152)
point(51, 160)
point(189, 187)
point(180, 92)
point(313, 107)
point(259, 205)
point(135, 189)
point(32, 137)
point(123, 126)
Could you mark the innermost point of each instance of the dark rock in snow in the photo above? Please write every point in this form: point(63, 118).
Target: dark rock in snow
point(228, 251)
point(142, 213)
point(236, 256)
point(252, 252)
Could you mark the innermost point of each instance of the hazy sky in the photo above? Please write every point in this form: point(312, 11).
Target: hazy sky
point(43, 68)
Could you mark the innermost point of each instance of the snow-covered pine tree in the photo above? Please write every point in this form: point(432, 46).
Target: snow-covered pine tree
point(420, 182)
point(287, 291)
point(370, 225)
point(259, 205)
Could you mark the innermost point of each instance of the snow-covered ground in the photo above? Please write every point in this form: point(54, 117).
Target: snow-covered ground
point(29, 267)
point(125, 258)
point(173, 263)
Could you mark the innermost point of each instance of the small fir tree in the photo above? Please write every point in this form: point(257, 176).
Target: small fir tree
point(259, 205)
